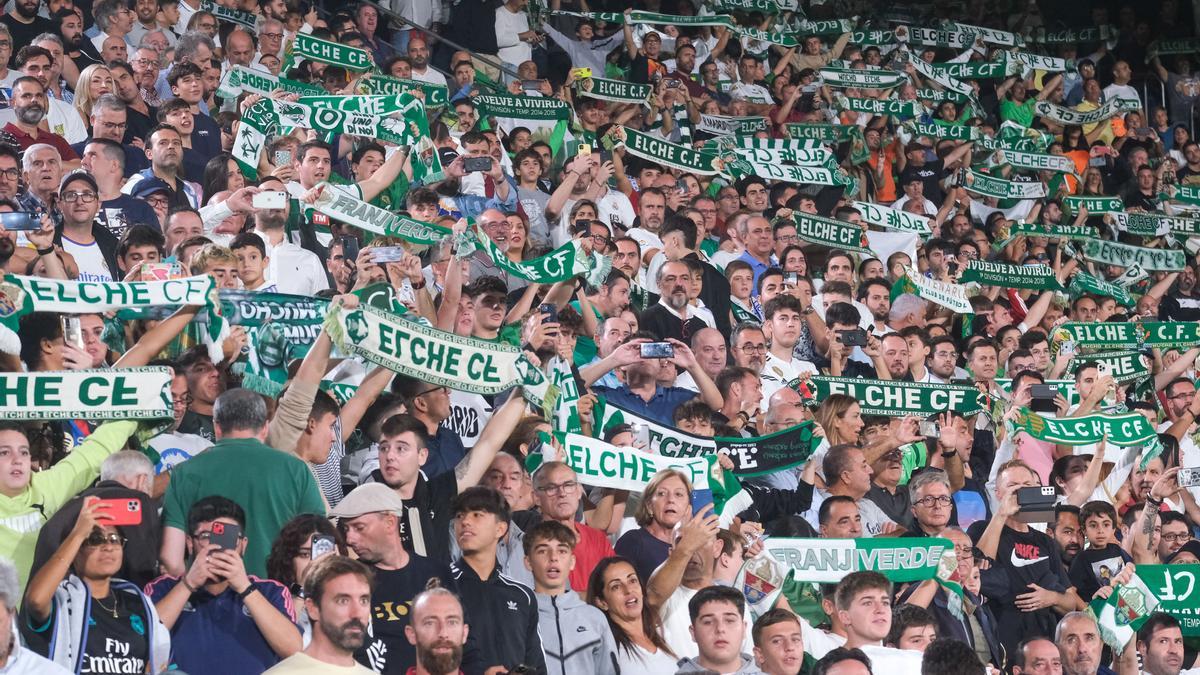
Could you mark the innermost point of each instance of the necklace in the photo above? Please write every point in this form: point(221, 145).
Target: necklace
point(112, 609)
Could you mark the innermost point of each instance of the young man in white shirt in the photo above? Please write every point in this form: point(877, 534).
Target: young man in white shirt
point(783, 320)
point(863, 601)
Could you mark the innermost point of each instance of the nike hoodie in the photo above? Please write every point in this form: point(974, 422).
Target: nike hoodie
point(575, 636)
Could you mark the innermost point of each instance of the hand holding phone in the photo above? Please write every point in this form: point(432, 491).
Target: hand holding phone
point(657, 350)
point(269, 199)
point(121, 511)
point(224, 535)
point(473, 164)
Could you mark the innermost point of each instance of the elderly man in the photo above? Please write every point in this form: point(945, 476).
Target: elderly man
point(114, 19)
point(557, 492)
point(109, 120)
point(1078, 639)
point(709, 347)
point(42, 169)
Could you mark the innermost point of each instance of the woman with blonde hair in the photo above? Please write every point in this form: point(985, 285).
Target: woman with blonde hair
point(841, 418)
point(95, 81)
point(666, 501)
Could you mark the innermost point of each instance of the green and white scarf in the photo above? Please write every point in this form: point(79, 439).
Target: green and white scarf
point(736, 143)
point(1007, 233)
point(893, 219)
point(306, 47)
point(770, 454)
point(1125, 366)
point(1156, 224)
point(1004, 275)
point(927, 71)
point(113, 394)
point(941, 95)
point(944, 132)
point(1126, 429)
point(565, 262)
point(890, 397)
point(1186, 194)
point(223, 13)
point(989, 35)
point(721, 125)
point(1124, 255)
point(814, 157)
point(933, 37)
point(343, 207)
point(379, 105)
point(769, 7)
point(240, 79)
point(654, 18)
point(1064, 387)
point(434, 356)
point(1037, 161)
point(1181, 46)
point(739, 168)
point(675, 156)
point(1049, 64)
point(299, 316)
point(881, 106)
point(1084, 283)
point(977, 70)
point(1129, 335)
point(990, 186)
point(951, 296)
point(833, 133)
point(1110, 108)
point(436, 96)
point(96, 297)
point(1072, 36)
point(1154, 588)
point(617, 91)
point(662, 439)
point(1094, 204)
point(861, 79)
point(828, 561)
point(831, 233)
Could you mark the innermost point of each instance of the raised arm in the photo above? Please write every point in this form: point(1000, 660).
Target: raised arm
point(700, 531)
point(385, 175)
point(472, 467)
point(156, 339)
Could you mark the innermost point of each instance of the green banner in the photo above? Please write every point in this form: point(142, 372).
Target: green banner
point(951, 296)
point(1125, 429)
point(345, 208)
point(861, 78)
point(436, 96)
point(306, 46)
point(1124, 366)
point(721, 125)
point(660, 438)
point(1037, 161)
point(678, 157)
point(882, 106)
point(563, 263)
point(832, 233)
point(1084, 283)
point(1007, 233)
point(833, 133)
point(240, 78)
point(990, 186)
point(223, 13)
point(1004, 275)
point(893, 219)
point(765, 455)
point(892, 398)
point(1061, 115)
point(977, 70)
point(617, 91)
point(300, 317)
point(1093, 204)
point(521, 107)
point(113, 394)
point(1129, 335)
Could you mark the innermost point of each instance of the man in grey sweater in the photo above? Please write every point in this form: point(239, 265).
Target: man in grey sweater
point(575, 636)
point(718, 627)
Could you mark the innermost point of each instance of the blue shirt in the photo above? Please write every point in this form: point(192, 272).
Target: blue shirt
point(660, 408)
point(215, 633)
point(756, 266)
point(445, 452)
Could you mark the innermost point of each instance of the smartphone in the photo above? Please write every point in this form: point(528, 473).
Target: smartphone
point(930, 429)
point(791, 279)
point(20, 220)
point(641, 436)
point(1097, 161)
point(657, 350)
point(605, 156)
point(853, 338)
point(681, 186)
point(584, 149)
point(123, 511)
point(322, 545)
point(674, 83)
point(282, 157)
point(1036, 504)
point(550, 311)
point(349, 248)
point(1103, 369)
point(1143, 131)
point(471, 164)
point(1189, 477)
point(581, 73)
point(1043, 398)
point(1067, 347)
point(271, 199)
point(700, 499)
point(531, 85)
point(161, 271)
point(72, 331)
point(225, 535)
point(387, 254)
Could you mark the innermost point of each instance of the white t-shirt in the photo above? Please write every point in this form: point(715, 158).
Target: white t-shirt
point(62, 118)
point(92, 266)
point(641, 661)
point(469, 413)
point(676, 625)
point(776, 373)
point(175, 448)
point(893, 661)
point(509, 25)
point(430, 76)
point(294, 270)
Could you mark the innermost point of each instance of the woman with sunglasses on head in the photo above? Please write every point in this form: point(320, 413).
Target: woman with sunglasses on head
point(81, 617)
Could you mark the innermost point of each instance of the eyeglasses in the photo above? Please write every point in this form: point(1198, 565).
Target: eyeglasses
point(1180, 536)
point(432, 390)
point(183, 401)
point(601, 240)
point(85, 197)
point(561, 488)
point(752, 348)
point(273, 36)
point(928, 502)
point(157, 201)
point(12, 174)
point(98, 539)
point(1182, 395)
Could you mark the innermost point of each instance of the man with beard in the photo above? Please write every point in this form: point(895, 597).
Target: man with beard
point(1067, 532)
point(748, 345)
point(607, 300)
point(337, 593)
point(1183, 303)
point(874, 294)
point(59, 117)
point(438, 631)
point(164, 148)
point(292, 269)
point(145, 13)
point(24, 23)
point(418, 55)
point(671, 318)
point(1160, 644)
point(29, 109)
point(372, 518)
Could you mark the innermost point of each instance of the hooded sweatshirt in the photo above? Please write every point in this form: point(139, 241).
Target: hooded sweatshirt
point(575, 636)
point(690, 666)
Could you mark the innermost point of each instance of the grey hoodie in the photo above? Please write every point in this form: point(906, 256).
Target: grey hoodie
point(575, 636)
point(692, 667)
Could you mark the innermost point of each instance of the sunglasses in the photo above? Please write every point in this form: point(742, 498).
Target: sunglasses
point(98, 539)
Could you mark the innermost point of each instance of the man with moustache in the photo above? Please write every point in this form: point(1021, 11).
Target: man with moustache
point(438, 631)
point(1067, 532)
point(29, 109)
point(337, 594)
point(671, 319)
point(24, 23)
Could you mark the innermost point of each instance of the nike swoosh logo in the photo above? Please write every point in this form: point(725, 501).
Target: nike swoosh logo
point(1018, 562)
